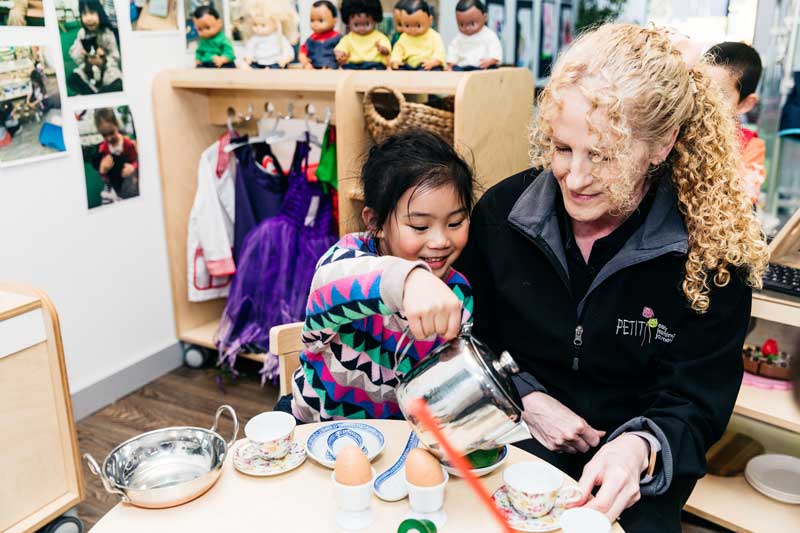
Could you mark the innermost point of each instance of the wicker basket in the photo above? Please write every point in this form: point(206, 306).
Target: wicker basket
point(387, 113)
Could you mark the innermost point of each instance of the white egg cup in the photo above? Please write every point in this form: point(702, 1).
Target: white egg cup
point(355, 502)
point(428, 502)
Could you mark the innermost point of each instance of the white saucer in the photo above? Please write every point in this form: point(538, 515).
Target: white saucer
point(775, 476)
point(520, 522)
point(354, 520)
point(248, 460)
point(316, 446)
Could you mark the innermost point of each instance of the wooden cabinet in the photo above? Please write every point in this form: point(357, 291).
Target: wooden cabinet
point(41, 476)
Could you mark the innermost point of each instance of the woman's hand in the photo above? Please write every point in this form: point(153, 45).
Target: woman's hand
point(616, 468)
point(556, 426)
point(430, 306)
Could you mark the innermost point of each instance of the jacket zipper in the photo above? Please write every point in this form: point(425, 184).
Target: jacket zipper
point(577, 342)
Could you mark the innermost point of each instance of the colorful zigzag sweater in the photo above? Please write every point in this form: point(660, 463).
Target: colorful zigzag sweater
point(352, 329)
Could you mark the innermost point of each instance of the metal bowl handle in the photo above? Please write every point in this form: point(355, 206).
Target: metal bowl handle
point(231, 412)
point(107, 484)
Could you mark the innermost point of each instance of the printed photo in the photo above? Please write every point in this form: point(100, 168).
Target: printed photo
point(154, 15)
point(21, 13)
point(189, 7)
point(90, 46)
point(110, 154)
point(30, 106)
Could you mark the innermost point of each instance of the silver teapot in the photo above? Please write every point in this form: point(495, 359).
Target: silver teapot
point(469, 391)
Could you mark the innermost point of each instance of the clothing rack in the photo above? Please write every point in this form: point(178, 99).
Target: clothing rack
point(492, 112)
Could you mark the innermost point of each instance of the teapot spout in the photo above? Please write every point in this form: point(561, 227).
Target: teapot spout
point(516, 434)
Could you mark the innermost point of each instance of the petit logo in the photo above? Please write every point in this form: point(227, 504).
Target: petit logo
point(647, 328)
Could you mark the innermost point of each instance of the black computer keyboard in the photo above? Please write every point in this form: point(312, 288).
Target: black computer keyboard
point(783, 279)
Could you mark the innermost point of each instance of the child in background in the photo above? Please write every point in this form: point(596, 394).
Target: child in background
point(372, 290)
point(476, 47)
point(317, 51)
point(420, 47)
point(736, 67)
point(364, 47)
point(95, 52)
point(214, 49)
point(117, 160)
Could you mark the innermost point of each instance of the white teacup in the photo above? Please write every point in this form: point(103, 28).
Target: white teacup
point(272, 433)
point(427, 499)
point(584, 520)
point(353, 498)
point(535, 488)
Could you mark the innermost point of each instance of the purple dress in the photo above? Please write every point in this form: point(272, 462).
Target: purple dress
point(259, 192)
point(275, 267)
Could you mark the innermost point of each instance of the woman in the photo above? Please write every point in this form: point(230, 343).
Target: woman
point(620, 277)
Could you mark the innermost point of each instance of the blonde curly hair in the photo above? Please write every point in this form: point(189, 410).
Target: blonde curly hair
point(644, 90)
point(282, 12)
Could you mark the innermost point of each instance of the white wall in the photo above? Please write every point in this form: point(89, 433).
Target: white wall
point(105, 269)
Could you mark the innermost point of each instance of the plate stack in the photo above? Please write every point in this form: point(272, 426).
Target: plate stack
point(775, 476)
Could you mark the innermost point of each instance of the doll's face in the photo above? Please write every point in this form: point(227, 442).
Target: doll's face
point(90, 20)
point(208, 26)
point(397, 16)
point(361, 23)
point(416, 24)
point(322, 20)
point(470, 21)
point(264, 25)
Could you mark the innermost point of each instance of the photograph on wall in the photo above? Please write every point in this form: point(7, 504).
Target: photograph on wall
point(548, 38)
point(496, 15)
point(154, 15)
point(189, 7)
point(110, 154)
point(524, 49)
point(21, 13)
point(567, 31)
point(90, 46)
point(30, 106)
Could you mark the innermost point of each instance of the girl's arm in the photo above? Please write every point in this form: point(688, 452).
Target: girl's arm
point(109, 44)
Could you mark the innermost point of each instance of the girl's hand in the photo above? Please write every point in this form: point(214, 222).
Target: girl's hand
point(430, 306)
point(616, 468)
point(556, 426)
point(106, 164)
point(128, 170)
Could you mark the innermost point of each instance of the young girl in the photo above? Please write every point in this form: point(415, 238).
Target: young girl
point(117, 160)
point(382, 300)
point(95, 52)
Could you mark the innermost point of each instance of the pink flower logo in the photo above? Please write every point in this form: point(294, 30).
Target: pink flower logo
point(648, 313)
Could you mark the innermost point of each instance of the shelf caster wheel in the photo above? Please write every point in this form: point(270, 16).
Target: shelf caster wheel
point(195, 356)
point(64, 524)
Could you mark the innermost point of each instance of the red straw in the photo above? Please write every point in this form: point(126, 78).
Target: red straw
point(419, 409)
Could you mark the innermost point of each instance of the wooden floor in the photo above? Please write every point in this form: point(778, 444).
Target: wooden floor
point(184, 397)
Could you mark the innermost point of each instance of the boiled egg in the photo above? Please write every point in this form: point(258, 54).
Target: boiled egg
point(422, 469)
point(352, 466)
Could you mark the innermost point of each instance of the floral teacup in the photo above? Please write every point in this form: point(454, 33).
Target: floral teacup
point(272, 433)
point(535, 488)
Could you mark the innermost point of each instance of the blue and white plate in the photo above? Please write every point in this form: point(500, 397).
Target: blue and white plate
point(322, 451)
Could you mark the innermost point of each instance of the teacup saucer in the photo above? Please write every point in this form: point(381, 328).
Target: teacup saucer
point(520, 522)
point(248, 460)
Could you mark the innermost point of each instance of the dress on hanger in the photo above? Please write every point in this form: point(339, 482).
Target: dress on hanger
point(276, 266)
point(259, 191)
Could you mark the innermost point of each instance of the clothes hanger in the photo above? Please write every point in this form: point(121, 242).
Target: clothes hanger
point(264, 135)
point(311, 111)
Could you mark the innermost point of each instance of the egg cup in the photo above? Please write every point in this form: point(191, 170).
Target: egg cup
point(355, 503)
point(428, 502)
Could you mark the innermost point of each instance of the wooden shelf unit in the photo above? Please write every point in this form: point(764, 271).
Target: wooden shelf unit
point(190, 114)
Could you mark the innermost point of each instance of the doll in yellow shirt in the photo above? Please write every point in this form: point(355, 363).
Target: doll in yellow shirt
point(420, 47)
point(363, 47)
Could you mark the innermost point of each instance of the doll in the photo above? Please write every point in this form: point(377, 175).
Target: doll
point(420, 47)
point(364, 47)
point(317, 51)
point(214, 49)
point(397, 19)
point(476, 47)
point(273, 29)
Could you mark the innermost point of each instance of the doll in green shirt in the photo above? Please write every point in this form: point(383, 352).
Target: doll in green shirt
point(214, 50)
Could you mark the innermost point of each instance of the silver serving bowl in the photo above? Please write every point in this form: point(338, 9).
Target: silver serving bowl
point(166, 467)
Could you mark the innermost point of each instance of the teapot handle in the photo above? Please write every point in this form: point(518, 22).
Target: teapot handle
point(466, 329)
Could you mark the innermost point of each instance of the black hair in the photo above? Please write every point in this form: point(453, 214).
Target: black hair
point(105, 114)
point(202, 11)
point(36, 77)
point(371, 8)
point(412, 6)
point(466, 5)
point(94, 6)
point(412, 160)
point(329, 5)
point(742, 60)
point(400, 4)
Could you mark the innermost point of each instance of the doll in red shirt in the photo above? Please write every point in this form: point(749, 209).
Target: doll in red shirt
point(117, 160)
point(317, 51)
